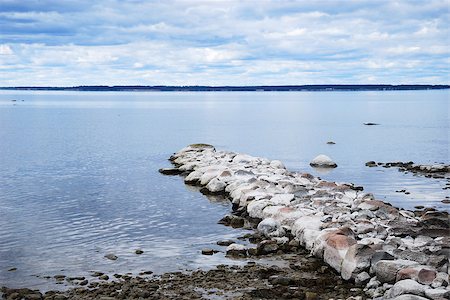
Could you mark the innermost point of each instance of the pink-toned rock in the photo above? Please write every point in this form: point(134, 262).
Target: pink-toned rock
point(386, 270)
point(426, 276)
point(421, 274)
point(336, 247)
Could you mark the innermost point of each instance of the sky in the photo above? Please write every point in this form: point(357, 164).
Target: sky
point(265, 42)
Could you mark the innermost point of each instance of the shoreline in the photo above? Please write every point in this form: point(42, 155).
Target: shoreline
point(327, 234)
point(391, 252)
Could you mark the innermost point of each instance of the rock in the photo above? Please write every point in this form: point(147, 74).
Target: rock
point(208, 251)
point(311, 296)
point(270, 228)
point(280, 280)
point(356, 260)
point(362, 278)
point(336, 247)
point(331, 143)
point(409, 297)
point(407, 286)
point(84, 282)
point(104, 277)
point(170, 171)
point(216, 186)
point(266, 247)
point(371, 164)
point(371, 124)
point(236, 250)
point(422, 274)
point(225, 242)
point(386, 270)
point(437, 294)
point(233, 221)
point(277, 164)
point(138, 251)
point(323, 161)
point(441, 280)
point(111, 256)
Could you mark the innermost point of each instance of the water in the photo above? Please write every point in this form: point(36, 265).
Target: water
point(78, 170)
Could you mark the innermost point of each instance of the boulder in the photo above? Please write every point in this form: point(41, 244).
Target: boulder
point(323, 161)
point(336, 247)
point(266, 247)
point(409, 297)
point(386, 270)
point(270, 228)
point(236, 250)
point(356, 260)
point(170, 171)
point(437, 294)
point(422, 274)
point(277, 164)
point(216, 186)
point(407, 286)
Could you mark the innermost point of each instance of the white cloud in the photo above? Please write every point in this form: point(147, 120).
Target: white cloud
point(227, 42)
point(5, 50)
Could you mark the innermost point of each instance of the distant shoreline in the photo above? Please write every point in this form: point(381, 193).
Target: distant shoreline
point(262, 88)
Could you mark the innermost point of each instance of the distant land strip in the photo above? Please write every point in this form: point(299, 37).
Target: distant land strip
point(263, 88)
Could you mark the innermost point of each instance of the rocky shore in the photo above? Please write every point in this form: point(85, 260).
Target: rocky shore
point(304, 278)
point(391, 253)
point(333, 240)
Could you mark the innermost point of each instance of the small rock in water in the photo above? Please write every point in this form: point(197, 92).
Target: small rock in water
point(446, 201)
point(59, 277)
point(225, 242)
point(104, 277)
point(84, 282)
point(170, 171)
point(331, 143)
point(111, 256)
point(208, 251)
point(13, 269)
point(138, 251)
point(371, 124)
point(371, 164)
point(323, 161)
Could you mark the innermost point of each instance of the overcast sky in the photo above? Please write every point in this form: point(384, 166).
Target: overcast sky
point(65, 43)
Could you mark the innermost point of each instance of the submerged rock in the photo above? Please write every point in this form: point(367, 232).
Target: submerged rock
point(323, 161)
point(111, 256)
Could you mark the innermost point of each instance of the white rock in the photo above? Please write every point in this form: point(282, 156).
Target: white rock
point(407, 286)
point(216, 186)
point(270, 228)
point(255, 208)
point(323, 161)
point(409, 297)
point(210, 174)
point(277, 164)
point(437, 294)
point(282, 199)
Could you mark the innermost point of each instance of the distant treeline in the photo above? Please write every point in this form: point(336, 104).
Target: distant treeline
point(276, 88)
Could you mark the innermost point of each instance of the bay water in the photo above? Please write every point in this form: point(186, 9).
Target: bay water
point(79, 170)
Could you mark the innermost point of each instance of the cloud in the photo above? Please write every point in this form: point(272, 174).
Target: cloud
point(223, 42)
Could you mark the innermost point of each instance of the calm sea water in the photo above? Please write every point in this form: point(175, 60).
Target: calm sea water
point(78, 170)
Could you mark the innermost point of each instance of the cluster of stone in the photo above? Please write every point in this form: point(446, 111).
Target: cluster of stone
point(436, 170)
point(393, 253)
